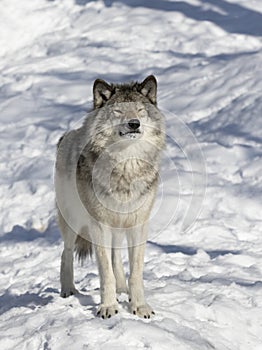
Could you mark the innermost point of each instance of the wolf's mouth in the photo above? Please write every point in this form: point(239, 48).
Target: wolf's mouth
point(129, 133)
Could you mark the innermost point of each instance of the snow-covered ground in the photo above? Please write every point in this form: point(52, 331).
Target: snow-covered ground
point(205, 284)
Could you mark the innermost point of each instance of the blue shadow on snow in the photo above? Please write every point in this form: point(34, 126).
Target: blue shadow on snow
point(168, 249)
point(20, 234)
point(231, 17)
point(29, 300)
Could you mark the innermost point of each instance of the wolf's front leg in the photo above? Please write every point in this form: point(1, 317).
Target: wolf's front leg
point(119, 273)
point(108, 305)
point(136, 288)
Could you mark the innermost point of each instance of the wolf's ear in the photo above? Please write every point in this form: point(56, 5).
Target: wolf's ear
point(148, 88)
point(101, 92)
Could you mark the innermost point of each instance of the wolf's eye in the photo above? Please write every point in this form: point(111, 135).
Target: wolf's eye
point(117, 112)
point(141, 112)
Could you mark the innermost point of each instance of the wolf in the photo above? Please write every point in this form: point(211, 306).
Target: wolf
point(106, 180)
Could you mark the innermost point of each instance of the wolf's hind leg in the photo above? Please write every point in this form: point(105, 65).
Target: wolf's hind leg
point(67, 260)
point(118, 269)
point(66, 273)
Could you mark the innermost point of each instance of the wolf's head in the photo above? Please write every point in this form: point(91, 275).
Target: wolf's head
point(127, 112)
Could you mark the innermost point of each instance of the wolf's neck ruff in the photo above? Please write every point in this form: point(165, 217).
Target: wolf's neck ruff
point(125, 180)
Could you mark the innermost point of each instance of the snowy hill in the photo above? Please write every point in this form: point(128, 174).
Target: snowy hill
point(205, 282)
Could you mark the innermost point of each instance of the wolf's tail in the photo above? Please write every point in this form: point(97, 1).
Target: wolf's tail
point(83, 248)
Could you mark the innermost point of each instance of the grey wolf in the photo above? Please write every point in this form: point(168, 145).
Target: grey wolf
point(106, 182)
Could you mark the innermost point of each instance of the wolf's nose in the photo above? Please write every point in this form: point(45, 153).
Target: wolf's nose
point(134, 124)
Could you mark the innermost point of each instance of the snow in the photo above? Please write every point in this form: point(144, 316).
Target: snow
point(203, 271)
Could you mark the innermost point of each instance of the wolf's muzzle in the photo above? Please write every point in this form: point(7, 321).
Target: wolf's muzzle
point(131, 129)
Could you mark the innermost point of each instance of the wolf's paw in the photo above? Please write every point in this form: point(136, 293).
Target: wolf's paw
point(107, 311)
point(66, 292)
point(144, 311)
